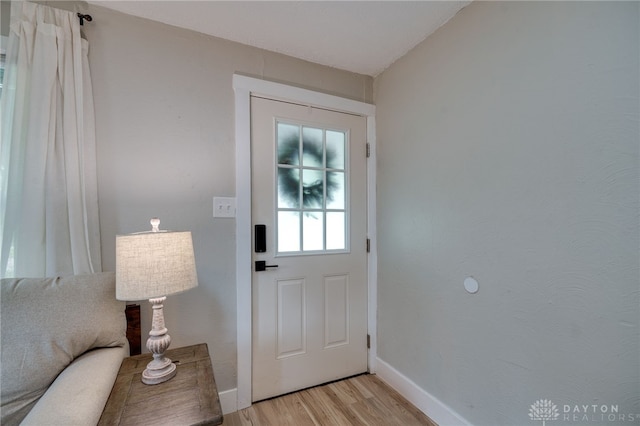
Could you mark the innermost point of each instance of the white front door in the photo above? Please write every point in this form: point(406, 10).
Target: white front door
point(309, 193)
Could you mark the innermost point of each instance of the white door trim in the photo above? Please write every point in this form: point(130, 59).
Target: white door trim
point(244, 87)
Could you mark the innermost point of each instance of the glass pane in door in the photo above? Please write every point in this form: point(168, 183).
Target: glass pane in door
point(335, 231)
point(335, 149)
point(288, 231)
point(288, 137)
point(288, 187)
point(312, 147)
point(312, 188)
point(335, 190)
point(312, 231)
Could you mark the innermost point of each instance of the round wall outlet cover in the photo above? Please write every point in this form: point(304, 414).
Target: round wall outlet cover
point(471, 285)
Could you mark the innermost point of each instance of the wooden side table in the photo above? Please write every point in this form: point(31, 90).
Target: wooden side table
point(190, 398)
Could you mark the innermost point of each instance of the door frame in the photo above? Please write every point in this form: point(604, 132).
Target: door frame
point(244, 87)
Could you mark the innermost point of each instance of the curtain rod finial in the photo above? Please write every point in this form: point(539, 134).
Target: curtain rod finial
point(84, 17)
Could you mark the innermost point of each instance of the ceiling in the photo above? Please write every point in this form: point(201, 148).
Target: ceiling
point(359, 36)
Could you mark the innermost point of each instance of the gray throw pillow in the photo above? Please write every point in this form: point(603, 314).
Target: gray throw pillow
point(46, 324)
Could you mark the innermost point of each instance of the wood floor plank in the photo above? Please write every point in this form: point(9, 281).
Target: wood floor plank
point(246, 418)
point(402, 408)
point(361, 400)
point(343, 406)
point(294, 410)
point(370, 413)
point(266, 414)
point(361, 385)
point(329, 404)
point(320, 415)
point(346, 393)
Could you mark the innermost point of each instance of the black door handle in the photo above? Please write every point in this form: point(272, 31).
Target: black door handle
point(261, 265)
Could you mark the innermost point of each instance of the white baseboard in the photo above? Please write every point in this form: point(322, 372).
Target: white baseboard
point(427, 403)
point(229, 401)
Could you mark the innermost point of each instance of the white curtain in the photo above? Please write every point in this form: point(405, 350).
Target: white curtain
point(48, 204)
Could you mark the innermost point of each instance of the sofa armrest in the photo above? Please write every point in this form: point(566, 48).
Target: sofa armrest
point(80, 392)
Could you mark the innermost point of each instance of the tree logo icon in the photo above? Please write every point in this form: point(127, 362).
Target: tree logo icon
point(543, 409)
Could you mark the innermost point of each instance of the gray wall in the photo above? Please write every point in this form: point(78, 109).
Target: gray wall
point(508, 151)
point(165, 133)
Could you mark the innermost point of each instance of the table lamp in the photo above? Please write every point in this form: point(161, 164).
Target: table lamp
point(153, 265)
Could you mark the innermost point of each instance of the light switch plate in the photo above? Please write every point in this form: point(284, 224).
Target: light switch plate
point(224, 207)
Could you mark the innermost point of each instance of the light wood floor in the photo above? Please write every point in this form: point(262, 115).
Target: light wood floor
point(360, 400)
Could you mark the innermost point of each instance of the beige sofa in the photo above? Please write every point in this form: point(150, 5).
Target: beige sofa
point(62, 342)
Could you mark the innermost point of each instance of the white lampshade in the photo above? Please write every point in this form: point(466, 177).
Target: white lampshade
point(154, 264)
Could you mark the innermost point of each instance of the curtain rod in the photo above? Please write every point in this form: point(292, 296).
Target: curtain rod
point(82, 17)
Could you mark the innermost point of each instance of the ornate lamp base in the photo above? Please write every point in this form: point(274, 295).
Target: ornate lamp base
point(160, 369)
point(153, 376)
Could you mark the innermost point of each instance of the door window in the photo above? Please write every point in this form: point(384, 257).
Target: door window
point(312, 182)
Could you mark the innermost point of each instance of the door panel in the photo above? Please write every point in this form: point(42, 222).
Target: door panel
point(336, 311)
point(291, 333)
point(309, 190)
